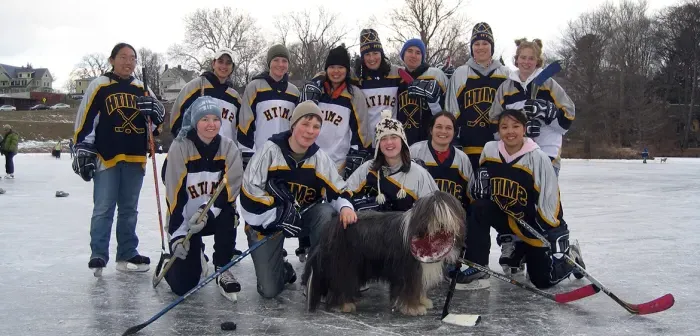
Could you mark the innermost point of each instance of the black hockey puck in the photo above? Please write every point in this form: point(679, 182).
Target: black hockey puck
point(228, 326)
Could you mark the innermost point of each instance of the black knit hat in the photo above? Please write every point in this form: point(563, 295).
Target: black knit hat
point(481, 31)
point(369, 41)
point(338, 56)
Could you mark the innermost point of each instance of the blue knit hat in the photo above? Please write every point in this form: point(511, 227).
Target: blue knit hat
point(414, 42)
point(200, 108)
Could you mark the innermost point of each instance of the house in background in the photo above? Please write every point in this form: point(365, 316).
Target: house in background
point(15, 79)
point(82, 84)
point(173, 80)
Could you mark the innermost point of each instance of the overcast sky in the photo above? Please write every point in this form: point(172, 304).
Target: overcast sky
point(56, 34)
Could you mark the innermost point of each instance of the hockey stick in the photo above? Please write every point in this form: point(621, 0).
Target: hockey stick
point(547, 73)
point(157, 278)
point(199, 286)
point(164, 255)
point(464, 320)
point(565, 297)
point(654, 306)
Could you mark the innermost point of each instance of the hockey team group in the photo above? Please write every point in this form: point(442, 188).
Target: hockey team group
point(368, 137)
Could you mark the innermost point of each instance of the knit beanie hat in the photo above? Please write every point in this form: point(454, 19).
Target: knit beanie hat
point(369, 41)
point(388, 126)
point(414, 42)
point(338, 56)
point(277, 50)
point(482, 31)
point(304, 109)
point(200, 108)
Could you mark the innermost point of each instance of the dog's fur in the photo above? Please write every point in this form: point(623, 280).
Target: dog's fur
point(377, 247)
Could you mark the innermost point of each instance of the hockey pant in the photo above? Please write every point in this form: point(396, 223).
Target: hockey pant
point(543, 269)
point(184, 274)
point(268, 258)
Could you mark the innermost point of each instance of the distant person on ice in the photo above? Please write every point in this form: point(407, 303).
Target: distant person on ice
point(56, 152)
point(110, 146)
point(645, 155)
point(197, 161)
point(516, 179)
point(8, 148)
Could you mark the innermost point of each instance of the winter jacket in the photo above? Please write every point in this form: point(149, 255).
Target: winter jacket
point(9, 142)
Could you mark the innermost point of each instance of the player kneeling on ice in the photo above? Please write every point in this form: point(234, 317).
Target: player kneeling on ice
point(516, 181)
point(282, 187)
point(198, 159)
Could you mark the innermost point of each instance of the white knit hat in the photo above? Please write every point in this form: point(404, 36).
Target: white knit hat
point(388, 126)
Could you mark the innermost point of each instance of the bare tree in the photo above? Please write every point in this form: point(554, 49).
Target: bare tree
point(309, 37)
point(437, 23)
point(91, 65)
point(208, 30)
point(154, 65)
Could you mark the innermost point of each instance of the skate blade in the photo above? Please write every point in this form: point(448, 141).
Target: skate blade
point(474, 285)
point(125, 266)
point(97, 272)
point(233, 297)
point(463, 320)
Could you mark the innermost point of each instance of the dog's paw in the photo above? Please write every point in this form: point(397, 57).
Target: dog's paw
point(347, 307)
point(418, 310)
point(428, 303)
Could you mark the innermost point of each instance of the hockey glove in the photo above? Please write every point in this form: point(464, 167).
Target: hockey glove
point(194, 224)
point(447, 69)
point(370, 203)
point(288, 218)
point(179, 248)
point(354, 159)
point(532, 128)
point(541, 109)
point(481, 189)
point(425, 88)
point(558, 237)
point(85, 160)
point(151, 108)
point(311, 91)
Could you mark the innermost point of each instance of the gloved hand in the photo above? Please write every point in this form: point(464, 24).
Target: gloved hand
point(179, 248)
point(287, 220)
point(151, 108)
point(426, 88)
point(312, 90)
point(541, 109)
point(558, 238)
point(85, 160)
point(532, 128)
point(196, 226)
point(481, 189)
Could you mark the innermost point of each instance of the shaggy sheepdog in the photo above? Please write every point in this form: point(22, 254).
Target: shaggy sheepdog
point(405, 249)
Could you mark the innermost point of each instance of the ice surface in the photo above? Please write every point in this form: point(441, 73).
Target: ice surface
point(637, 225)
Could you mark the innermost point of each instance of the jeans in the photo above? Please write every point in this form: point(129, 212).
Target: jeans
point(114, 187)
point(9, 163)
point(268, 259)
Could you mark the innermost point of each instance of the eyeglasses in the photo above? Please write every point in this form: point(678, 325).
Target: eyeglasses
point(125, 59)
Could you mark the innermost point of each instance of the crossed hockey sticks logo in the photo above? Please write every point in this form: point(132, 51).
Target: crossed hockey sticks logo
point(128, 124)
point(481, 120)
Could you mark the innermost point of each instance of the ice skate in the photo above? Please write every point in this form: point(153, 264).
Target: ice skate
point(290, 274)
point(470, 278)
point(301, 253)
point(138, 263)
point(228, 285)
point(10, 176)
point(512, 258)
point(575, 253)
point(97, 265)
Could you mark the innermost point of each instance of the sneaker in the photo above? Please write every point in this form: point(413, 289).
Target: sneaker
point(301, 253)
point(470, 278)
point(289, 272)
point(10, 176)
point(97, 265)
point(512, 258)
point(228, 284)
point(138, 263)
point(575, 253)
